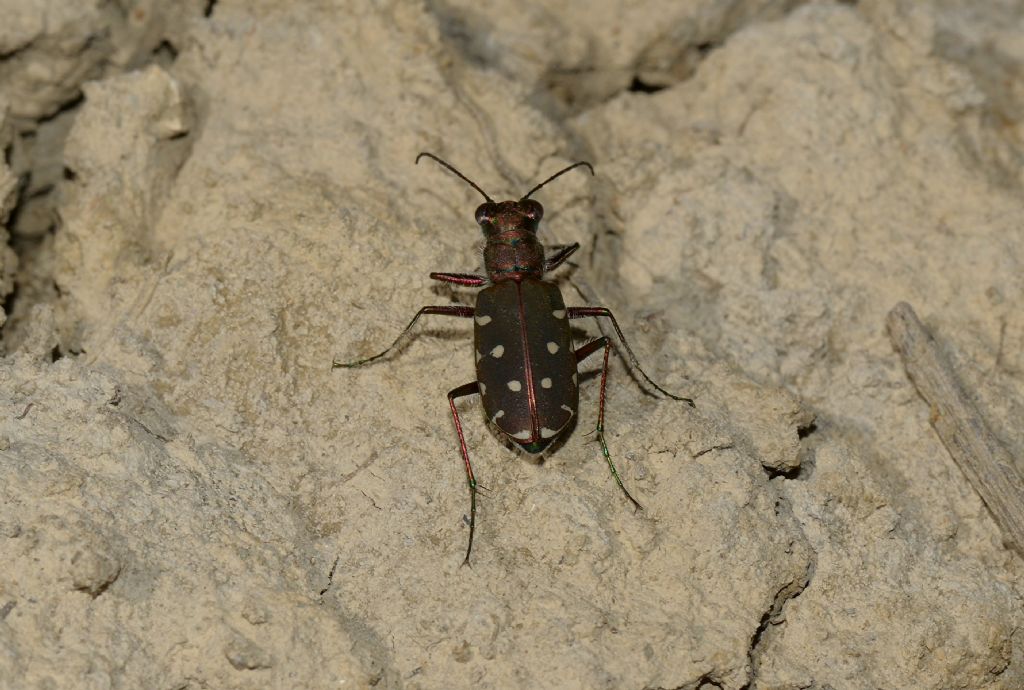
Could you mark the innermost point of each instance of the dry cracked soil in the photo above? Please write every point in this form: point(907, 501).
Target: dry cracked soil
point(202, 204)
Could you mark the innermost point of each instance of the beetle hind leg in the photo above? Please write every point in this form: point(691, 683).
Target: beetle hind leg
point(470, 388)
point(581, 354)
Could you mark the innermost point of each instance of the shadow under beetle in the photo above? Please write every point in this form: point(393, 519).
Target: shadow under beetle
point(526, 367)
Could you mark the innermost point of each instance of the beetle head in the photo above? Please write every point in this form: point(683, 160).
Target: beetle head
point(509, 216)
point(515, 217)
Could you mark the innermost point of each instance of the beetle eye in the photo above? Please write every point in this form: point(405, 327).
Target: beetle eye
point(484, 213)
point(532, 209)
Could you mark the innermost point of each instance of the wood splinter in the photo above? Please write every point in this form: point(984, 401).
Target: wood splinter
point(989, 467)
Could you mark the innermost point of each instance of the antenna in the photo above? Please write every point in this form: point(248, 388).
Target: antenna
point(558, 174)
point(464, 178)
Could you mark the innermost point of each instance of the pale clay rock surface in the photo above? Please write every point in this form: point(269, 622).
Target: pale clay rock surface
point(190, 497)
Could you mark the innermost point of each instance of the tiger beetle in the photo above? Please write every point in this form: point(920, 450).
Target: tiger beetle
point(526, 367)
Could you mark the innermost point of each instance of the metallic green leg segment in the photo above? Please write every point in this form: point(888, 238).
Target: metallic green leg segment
point(581, 354)
point(611, 466)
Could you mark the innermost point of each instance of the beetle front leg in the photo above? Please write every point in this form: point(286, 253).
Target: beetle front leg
point(460, 392)
point(465, 312)
point(463, 279)
point(582, 354)
point(582, 312)
point(561, 254)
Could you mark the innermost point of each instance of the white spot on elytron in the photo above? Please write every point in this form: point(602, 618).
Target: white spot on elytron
point(545, 383)
point(498, 351)
point(483, 320)
point(558, 313)
point(552, 348)
point(574, 379)
point(478, 356)
point(515, 386)
point(567, 409)
point(523, 435)
point(483, 388)
point(546, 432)
point(498, 415)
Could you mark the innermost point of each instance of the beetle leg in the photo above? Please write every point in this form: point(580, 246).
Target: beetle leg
point(464, 279)
point(465, 312)
point(468, 389)
point(582, 312)
point(582, 354)
point(561, 254)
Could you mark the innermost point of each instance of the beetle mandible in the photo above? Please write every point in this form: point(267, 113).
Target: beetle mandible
point(526, 366)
